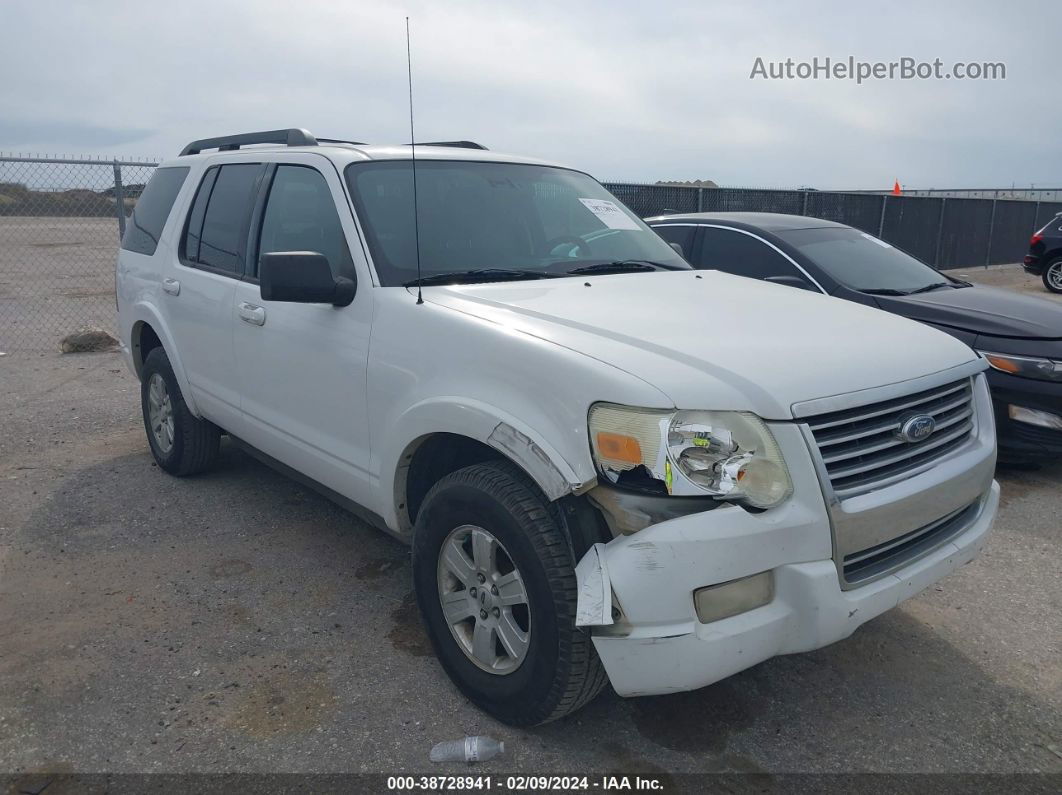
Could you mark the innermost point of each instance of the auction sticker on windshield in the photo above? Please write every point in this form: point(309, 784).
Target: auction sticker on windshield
point(611, 215)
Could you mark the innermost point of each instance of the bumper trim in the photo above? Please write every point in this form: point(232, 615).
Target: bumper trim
point(809, 611)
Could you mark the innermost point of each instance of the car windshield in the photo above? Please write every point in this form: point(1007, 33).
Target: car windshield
point(862, 262)
point(493, 221)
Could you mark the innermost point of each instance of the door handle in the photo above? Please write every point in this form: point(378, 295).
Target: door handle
point(171, 286)
point(252, 314)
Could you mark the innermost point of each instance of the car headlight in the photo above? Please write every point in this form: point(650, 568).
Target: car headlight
point(1025, 366)
point(728, 454)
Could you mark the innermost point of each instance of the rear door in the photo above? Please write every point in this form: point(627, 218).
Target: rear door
point(199, 289)
point(302, 367)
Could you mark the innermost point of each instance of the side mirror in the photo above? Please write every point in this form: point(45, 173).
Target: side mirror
point(678, 249)
point(303, 277)
point(791, 281)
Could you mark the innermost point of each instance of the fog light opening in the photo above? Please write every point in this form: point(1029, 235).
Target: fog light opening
point(727, 599)
point(1044, 419)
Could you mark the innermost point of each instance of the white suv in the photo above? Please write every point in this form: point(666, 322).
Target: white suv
point(610, 467)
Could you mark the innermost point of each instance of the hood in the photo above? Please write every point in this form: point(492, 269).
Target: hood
point(982, 310)
point(710, 340)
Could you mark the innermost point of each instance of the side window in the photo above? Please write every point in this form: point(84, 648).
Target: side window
point(741, 254)
point(194, 227)
point(152, 209)
point(300, 215)
point(217, 221)
point(682, 236)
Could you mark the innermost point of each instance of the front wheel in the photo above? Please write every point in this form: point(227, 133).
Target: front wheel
point(495, 581)
point(1053, 275)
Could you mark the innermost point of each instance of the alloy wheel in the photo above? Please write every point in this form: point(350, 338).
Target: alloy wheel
point(160, 413)
point(484, 600)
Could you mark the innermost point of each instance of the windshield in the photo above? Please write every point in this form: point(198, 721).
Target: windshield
point(497, 217)
point(862, 262)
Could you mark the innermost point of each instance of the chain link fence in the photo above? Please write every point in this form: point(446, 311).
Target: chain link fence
point(945, 232)
point(60, 223)
point(61, 220)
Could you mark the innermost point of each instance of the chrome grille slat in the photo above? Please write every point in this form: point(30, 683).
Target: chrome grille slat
point(879, 480)
point(827, 441)
point(909, 452)
point(857, 415)
point(860, 451)
point(892, 442)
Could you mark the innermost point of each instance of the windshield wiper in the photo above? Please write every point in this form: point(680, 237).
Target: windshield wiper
point(479, 275)
point(623, 266)
point(928, 287)
point(885, 291)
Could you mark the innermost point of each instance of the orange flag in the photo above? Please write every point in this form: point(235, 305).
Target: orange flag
point(896, 187)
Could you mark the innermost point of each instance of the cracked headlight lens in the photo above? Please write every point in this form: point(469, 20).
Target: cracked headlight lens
point(729, 455)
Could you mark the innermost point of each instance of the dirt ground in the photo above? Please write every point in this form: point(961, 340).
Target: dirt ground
point(238, 622)
point(56, 276)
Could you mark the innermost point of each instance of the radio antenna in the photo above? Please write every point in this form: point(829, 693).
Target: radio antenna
point(413, 157)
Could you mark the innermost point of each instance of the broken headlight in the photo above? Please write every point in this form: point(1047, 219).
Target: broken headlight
point(728, 454)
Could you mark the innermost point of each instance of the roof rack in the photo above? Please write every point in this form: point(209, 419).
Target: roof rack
point(227, 143)
point(292, 137)
point(340, 141)
point(454, 144)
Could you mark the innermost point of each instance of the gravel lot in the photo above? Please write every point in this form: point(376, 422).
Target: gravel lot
point(238, 622)
point(56, 276)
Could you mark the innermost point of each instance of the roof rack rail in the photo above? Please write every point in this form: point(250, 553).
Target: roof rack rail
point(227, 143)
point(340, 141)
point(454, 144)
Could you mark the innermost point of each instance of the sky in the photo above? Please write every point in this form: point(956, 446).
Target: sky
point(632, 91)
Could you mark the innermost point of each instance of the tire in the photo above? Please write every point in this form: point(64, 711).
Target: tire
point(1053, 275)
point(559, 671)
point(190, 445)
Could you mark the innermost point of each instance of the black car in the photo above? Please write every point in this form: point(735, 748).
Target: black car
point(1045, 255)
point(1019, 335)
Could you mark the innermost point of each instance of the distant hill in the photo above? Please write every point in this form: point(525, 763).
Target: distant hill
point(693, 183)
point(18, 199)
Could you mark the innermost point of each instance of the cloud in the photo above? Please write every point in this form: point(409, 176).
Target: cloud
point(621, 89)
point(77, 135)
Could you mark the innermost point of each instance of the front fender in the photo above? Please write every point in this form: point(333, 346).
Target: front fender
point(515, 439)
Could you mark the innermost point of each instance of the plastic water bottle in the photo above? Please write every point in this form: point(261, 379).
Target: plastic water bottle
point(470, 749)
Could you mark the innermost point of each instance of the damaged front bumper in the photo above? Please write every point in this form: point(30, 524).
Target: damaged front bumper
point(637, 592)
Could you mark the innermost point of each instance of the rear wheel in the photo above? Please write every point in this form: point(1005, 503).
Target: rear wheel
point(495, 581)
point(1053, 275)
point(181, 443)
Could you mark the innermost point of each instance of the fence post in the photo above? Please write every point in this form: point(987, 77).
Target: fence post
point(700, 200)
point(1036, 217)
point(991, 230)
point(881, 218)
point(804, 204)
point(940, 231)
point(119, 198)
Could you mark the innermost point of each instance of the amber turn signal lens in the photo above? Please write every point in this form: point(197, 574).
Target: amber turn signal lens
point(1006, 365)
point(617, 447)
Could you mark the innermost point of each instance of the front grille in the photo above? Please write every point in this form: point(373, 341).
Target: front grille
point(869, 563)
point(860, 447)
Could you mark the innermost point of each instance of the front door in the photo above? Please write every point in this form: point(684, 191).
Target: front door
point(301, 366)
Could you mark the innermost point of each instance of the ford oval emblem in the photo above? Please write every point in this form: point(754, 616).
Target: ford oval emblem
point(917, 428)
